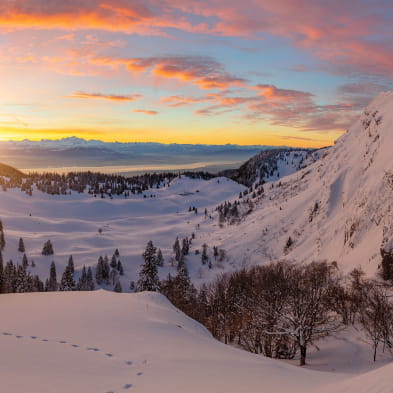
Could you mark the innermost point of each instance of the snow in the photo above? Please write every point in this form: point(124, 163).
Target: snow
point(107, 342)
point(352, 185)
point(72, 224)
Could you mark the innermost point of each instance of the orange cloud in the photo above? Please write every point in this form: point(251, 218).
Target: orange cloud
point(111, 97)
point(179, 100)
point(200, 71)
point(146, 112)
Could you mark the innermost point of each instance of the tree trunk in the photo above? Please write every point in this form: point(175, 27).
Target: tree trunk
point(303, 351)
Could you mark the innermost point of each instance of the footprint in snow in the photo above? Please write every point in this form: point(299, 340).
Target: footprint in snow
point(129, 363)
point(93, 349)
point(33, 337)
point(45, 339)
point(7, 334)
point(62, 342)
point(127, 386)
point(75, 346)
point(18, 336)
point(139, 374)
point(109, 355)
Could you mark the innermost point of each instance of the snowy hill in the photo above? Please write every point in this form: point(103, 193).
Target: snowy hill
point(273, 164)
point(101, 342)
point(87, 227)
point(339, 208)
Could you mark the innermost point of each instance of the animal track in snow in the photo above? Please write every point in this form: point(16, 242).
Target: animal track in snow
point(93, 349)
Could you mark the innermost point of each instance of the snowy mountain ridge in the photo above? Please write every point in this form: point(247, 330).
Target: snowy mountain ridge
point(339, 208)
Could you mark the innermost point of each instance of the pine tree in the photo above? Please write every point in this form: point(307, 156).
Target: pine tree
point(48, 248)
point(21, 284)
point(117, 253)
point(120, 268)
point(1, 272)
point(25, 262)
point(71, 264)
point(176, 249)
point(2, 240)
point(204, 257)
point(185, 246)
point(51, 284)
point(99, 271)
point(148, 276)
point(113, 261)
point(67, 282)
point(21, 246)
point(9, 275)
point(90, 281)
point(160, 258)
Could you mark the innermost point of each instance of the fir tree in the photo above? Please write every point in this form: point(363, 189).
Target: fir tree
point(67, 282)
point(120, 268)
point(113, 261)
point(204, 256)
point(71, 264)
point(51, 283)
point(2, 240)
point(21, 246)
point(148, 276)
point(25, 262)
point(48, 248)
point(176, 249)
point(160, 258)
point(1, 272)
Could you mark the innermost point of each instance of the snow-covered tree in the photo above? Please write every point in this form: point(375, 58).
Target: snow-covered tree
point(148, 276)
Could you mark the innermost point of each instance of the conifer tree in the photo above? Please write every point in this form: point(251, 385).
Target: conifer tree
point(2, 239)
point(48, 248)
point(71, 264)
point(67, 282)
point(113, 261)
point(204, 257)
point(51, 283)
point(21, 246)
point(25, 262)
point(160, 258)
point(176, 249)
point(1, 272)
point(120, 268)
point(90, 281)
point(148, 276)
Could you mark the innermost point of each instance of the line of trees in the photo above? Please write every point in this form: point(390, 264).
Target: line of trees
point(278, 310)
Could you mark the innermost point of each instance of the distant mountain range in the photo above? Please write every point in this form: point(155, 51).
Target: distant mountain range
point(77, 152)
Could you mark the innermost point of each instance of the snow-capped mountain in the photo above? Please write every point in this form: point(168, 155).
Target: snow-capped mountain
point(77, 152)
point(338, 208)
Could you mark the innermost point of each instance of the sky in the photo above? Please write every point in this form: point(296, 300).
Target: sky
point(283, 72)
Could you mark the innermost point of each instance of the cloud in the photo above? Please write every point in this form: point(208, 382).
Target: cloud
point(180, 100)
point(111, 97)
point(146, 112)
point(203, 72)
point(355, 33)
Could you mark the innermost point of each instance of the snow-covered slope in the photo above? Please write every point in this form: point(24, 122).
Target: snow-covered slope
point(339, 208)
point(270, 165)
point(87, 227)
point(101, 342)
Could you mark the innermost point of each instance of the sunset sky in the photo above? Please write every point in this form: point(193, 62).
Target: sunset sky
point(283, 72)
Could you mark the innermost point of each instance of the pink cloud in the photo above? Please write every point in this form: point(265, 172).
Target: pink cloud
point(146, 112)
point(111, 97)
